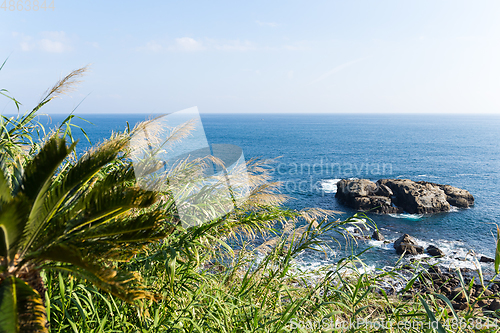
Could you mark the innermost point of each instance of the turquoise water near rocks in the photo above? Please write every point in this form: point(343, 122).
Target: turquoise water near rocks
point(316, 150)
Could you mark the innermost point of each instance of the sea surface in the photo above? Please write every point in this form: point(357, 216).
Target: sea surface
point(317, 150)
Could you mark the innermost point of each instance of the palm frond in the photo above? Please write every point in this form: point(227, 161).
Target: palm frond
point(36, 182)
point(13, 218)
point(5, 190)
point(21, 308)
point(98, 207)
point(70, 186)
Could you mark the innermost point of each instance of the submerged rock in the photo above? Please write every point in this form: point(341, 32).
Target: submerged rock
point(398, 195)
point(377, 236)
point(486, 259)
point(434, 251)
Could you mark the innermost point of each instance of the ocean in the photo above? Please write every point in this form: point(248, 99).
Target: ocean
point(316, 150)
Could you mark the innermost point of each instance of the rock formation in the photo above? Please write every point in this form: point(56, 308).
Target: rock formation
point(408, 245)
point(401, 195)
point(377, 236)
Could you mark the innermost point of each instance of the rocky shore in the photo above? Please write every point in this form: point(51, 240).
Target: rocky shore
point(469, 294)
point(464, 289)
point(401, 195)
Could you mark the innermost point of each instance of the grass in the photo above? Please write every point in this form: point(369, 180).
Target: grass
point(249, 293)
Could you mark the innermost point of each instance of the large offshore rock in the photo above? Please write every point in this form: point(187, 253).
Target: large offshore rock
point(356, 187)
point(363, 194)
point(417, 197)
point(398, 195)
point(457, 197)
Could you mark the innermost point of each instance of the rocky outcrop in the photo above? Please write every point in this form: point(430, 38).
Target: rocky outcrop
point(377, 236)
point(363, 194)
point(434, 251)
point(398, 195)
point(486, 259)
point(407, 245)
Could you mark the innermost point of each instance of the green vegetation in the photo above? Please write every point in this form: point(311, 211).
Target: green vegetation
point(83, 249)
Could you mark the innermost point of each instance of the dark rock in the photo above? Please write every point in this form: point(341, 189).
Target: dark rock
point(487, 293)
point(381, 204)
point(481, 292)
point(383, 190)
point(363, 194)
point(459, 306)
point(495, 305)
point(446, 290)
point(399, 195)
point(405, 239)
point(434, 251)
point(378, 236)
point(417, 197)
point(356, 187)
point(409, 249)
point(484, 302)
point(486, 259)
point(457, 197)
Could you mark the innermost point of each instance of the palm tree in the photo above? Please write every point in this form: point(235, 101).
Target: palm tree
point(81, 219)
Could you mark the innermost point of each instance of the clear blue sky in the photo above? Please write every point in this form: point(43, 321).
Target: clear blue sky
point(258, 56)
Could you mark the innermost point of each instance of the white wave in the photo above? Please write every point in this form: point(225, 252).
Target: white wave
point(385, 245)
point(358, 224)
point(329, 185)
point(456, 255)
point(407, 216)
point(453, 209)
point(428, 176)
point(356, 227)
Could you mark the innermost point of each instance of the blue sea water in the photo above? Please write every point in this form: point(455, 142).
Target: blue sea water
point(316, 150)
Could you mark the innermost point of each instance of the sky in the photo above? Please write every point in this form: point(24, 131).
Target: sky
point(426, 56)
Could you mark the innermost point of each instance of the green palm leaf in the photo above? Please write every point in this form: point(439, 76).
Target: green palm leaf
point(13, 217)
point(59, 201)
point(5, 191)
point(21, 308)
